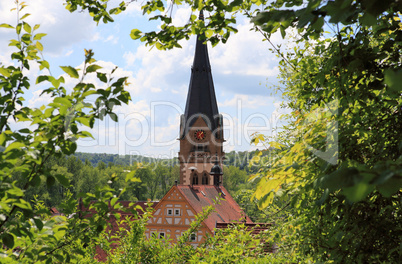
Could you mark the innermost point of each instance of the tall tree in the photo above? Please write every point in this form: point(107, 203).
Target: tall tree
point(162, 175)
point(339, 159)
point(27, 234)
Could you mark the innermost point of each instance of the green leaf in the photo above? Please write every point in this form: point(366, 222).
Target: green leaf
point(27, 27)
point(135, 34)
point(50, 181)
point(44, 64)
point(276, 145)
point(6, 26)
point(59, 258)
point(23, 204)
point(15, 191)
point(266, 200)
point(93, 68)
point(358, 192)
point(25, 16)
point(390, 187)
point(113, 201)
point(39, 36)
point(283, 32)
point(393, 79)
point(35, 181)
point(341, 178)
point(70, 71)
point(42, 78)
point(14, 145)
point(18, 28)
point(86, 134)
point(368, 19)
point(62, 101)
point(63, 180)
point(3, 139)
point(129, 176)
point(5, 72)
point(135, 179)
point(84, 120)
point(39, 46)
point(38, 223)
point(113, 116)
point(8, 240)
point(209, 33)
point(102, 77)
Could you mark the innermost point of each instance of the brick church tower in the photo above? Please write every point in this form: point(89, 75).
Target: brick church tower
point(201, 125)
point(200, 156)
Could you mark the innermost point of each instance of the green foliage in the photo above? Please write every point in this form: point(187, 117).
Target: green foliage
point(338, 161)
point(27, 232)
point(333, 181)
point(235, 244)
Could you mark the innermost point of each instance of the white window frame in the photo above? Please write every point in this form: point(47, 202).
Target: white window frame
point(171, 212)
point(161, 235)
point(175, 212)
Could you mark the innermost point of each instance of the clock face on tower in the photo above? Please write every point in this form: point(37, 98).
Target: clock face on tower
point(199, 134)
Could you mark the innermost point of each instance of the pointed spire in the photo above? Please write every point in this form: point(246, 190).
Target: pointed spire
point(201, 100)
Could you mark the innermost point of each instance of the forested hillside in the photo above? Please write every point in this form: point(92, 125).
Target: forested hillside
point(238, 159)
point(86, 172)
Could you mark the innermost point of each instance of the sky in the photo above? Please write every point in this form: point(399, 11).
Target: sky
point(244, 71)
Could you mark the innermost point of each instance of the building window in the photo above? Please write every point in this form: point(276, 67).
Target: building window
point(200, 148)
point(195, 179)
point(169, 212)
point(176, 212)
point(205, 179)
point(162, 235)
point(193, 237)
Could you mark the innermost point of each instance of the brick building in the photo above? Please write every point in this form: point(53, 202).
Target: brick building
point(201, 154)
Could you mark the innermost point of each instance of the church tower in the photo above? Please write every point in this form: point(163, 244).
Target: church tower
point(201, 125)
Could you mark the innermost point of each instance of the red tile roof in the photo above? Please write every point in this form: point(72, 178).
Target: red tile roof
point(227, 211)
point(54, 211)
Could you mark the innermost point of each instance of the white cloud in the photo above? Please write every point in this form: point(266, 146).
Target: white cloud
point(68, 53)
point(181, 16)
point(133, 8)
point(238, 68)
point(246, 54)
point(129, 58)
point(246, 101)
point(38, 100)
point(95, 37)
point(62, 27)
point(112, 39)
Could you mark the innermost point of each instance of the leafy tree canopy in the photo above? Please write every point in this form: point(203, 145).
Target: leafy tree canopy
point(334, 180)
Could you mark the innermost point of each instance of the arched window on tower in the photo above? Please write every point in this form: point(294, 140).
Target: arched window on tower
point(195, 179)
point(205, 179)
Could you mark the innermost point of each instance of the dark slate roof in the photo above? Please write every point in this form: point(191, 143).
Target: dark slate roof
point(201, 93)
point(227, 211)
